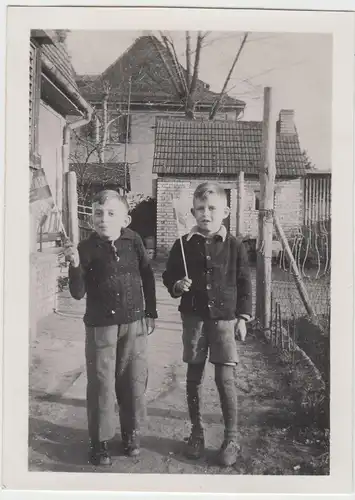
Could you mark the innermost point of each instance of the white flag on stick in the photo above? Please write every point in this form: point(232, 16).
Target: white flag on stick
point(183, 216)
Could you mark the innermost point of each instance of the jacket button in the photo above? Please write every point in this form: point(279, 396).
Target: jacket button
point(113, 312)
point(210, 304)
point(209, 286)
point(208, 257)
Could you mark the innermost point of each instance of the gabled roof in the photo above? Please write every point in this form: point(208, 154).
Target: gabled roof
point(191, 147)
point(150, 81)
point(102, 173)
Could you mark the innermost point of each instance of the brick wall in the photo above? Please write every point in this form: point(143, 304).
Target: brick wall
point(288, 205)
point(44, 272)
point(168, 187)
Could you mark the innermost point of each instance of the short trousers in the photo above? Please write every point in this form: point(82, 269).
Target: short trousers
point(208, 337)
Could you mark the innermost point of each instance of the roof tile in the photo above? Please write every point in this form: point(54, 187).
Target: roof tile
point(198, 147)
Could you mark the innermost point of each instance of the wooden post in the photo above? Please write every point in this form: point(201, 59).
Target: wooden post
point(73, 208)
point(265, 228)
point(295, 272)
point(240, 206)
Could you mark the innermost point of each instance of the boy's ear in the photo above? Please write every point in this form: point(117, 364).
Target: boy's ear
point(227, 212)
point(128, 220)
point(193, 211)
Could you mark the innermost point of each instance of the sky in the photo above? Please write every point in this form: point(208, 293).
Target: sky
point(298, 68)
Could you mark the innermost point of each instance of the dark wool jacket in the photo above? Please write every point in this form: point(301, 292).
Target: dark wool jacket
point(114, 288)
point(219, 270)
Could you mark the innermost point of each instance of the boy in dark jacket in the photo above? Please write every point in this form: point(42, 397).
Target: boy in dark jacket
point(215, 306)
point(110, 267)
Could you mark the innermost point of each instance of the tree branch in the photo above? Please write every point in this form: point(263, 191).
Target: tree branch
point(176, 65)
point(166, 65)
point(196, 64)
point(217, 103)
point(182, 77)
point(188, 59)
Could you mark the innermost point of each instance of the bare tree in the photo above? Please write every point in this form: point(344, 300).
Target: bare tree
point(308, 163)
point(110, 110)
point(86, 148)
point(184, 81)
point(103, 122)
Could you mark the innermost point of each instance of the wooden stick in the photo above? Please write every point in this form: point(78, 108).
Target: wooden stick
point(175, 210)
point(295, 272)
point(183, 256)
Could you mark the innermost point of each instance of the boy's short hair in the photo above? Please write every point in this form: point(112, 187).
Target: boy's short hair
point(206, 188)
point(108, 194)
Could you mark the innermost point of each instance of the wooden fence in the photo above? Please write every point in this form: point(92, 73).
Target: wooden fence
point(84, 219)
point(317, 197)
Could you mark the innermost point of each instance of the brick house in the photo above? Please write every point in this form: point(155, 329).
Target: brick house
point(190, 152)
point(139, 76)
point(55, 108)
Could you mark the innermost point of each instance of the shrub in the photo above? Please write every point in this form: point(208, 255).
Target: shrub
point(143, 213)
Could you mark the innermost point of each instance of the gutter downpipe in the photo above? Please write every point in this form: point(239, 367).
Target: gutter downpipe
point(88, 111)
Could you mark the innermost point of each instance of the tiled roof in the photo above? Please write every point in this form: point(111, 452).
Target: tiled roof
point(102, 173)
point(150, 82)
point(191, 147)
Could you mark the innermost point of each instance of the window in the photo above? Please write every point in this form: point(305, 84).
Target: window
point(120, 130)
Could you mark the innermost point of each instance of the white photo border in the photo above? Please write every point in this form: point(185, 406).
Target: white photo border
point(15, 474)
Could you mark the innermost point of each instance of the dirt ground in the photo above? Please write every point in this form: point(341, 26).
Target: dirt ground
point(272, 439)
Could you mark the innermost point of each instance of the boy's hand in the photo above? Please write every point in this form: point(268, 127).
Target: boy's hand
point(240, 329)
point(183, 285)
point(71, 254)
point(150, 322)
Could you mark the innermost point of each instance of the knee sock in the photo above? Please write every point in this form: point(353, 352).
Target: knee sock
point(225, 381)
point(194, 395)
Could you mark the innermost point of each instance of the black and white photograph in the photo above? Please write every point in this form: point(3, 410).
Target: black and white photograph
point(180, 220)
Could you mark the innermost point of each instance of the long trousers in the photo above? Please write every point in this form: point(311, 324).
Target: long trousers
point(116, 365)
